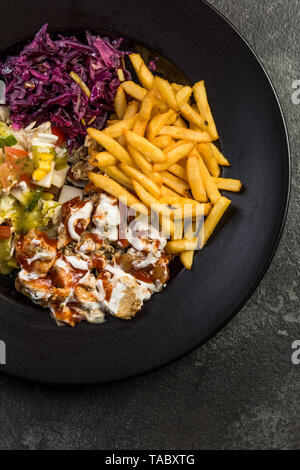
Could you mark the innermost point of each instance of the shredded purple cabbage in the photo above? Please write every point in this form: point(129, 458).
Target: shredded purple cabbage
point(39, 87)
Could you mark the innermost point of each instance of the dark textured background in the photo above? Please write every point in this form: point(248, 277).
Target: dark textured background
point(240, 390)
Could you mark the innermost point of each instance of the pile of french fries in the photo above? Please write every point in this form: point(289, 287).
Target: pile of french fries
point(159, 154)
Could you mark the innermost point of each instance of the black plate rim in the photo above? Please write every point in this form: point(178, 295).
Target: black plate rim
point(263, 270)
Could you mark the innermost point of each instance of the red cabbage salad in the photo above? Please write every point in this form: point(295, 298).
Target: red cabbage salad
point(54, 90)
point(64, 81)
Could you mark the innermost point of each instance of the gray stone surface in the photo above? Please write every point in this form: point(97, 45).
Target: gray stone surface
point(238, 391)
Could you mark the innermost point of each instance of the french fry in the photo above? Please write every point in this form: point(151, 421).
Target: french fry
point(140, 127)
point(116, 130)
point(214, 216)
point(142, 163)
point(182, 201)
point(146, 107)
point(219, 156)
point(176, 87)
point(174, 145)
point(115, 189)
point(105, 159)
point(157, 123)
point(174, 156)
point(195, 179)
point(187, 211)
point(168, 227)
point(121, 140)
point(140, 160)
point(168, 192)
point(193, 117)
point(150, 200)
point(156, 177)
point(134, 90)
point(187, 134)
point(144, 146)
point(180, 123)
point(175, 183)
point(178, 170)
point(144, 115)
point(172, 118)
point(159, 105)
point(207, 154)
point(204, 108)
point(187, 257)
point(146, 182)
point(210, 186)
point(136, 61)
point(183, 95)
point(110, 145)
point(178, 228)
point(167, 93)
point(144, 75)
point(194, 127)
point(131, 109)
point(162, 141)
point(120, 103)
point(175, 247)
point(110, 122)
point(115, 173)
point(228, 184)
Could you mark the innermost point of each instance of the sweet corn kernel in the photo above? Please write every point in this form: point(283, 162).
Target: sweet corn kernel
point(38, 175)
point(46, 166)
point(46, 156)
point(48, 196)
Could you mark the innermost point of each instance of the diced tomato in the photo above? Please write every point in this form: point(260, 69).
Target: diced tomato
point(13, 170)
point(15, 152)
point(27, 178)
point(4, 232)
point(60, 134)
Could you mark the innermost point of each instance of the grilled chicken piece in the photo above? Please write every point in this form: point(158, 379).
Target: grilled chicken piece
point(89, 243)
point(144, 237)
point(160, 272)
point(96, 249)
point(65, 314)
point(77, 174)
point(145, 266)
point(63, 236)
point(77, 313)
point(75, 220)
point(36, 252)
point(79, 154)
point(85, 294)
point(121, 294)
point(81, 302)
point(39, 290)
point(129, 305)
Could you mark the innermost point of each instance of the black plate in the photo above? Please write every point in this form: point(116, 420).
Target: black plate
point(195, 304)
